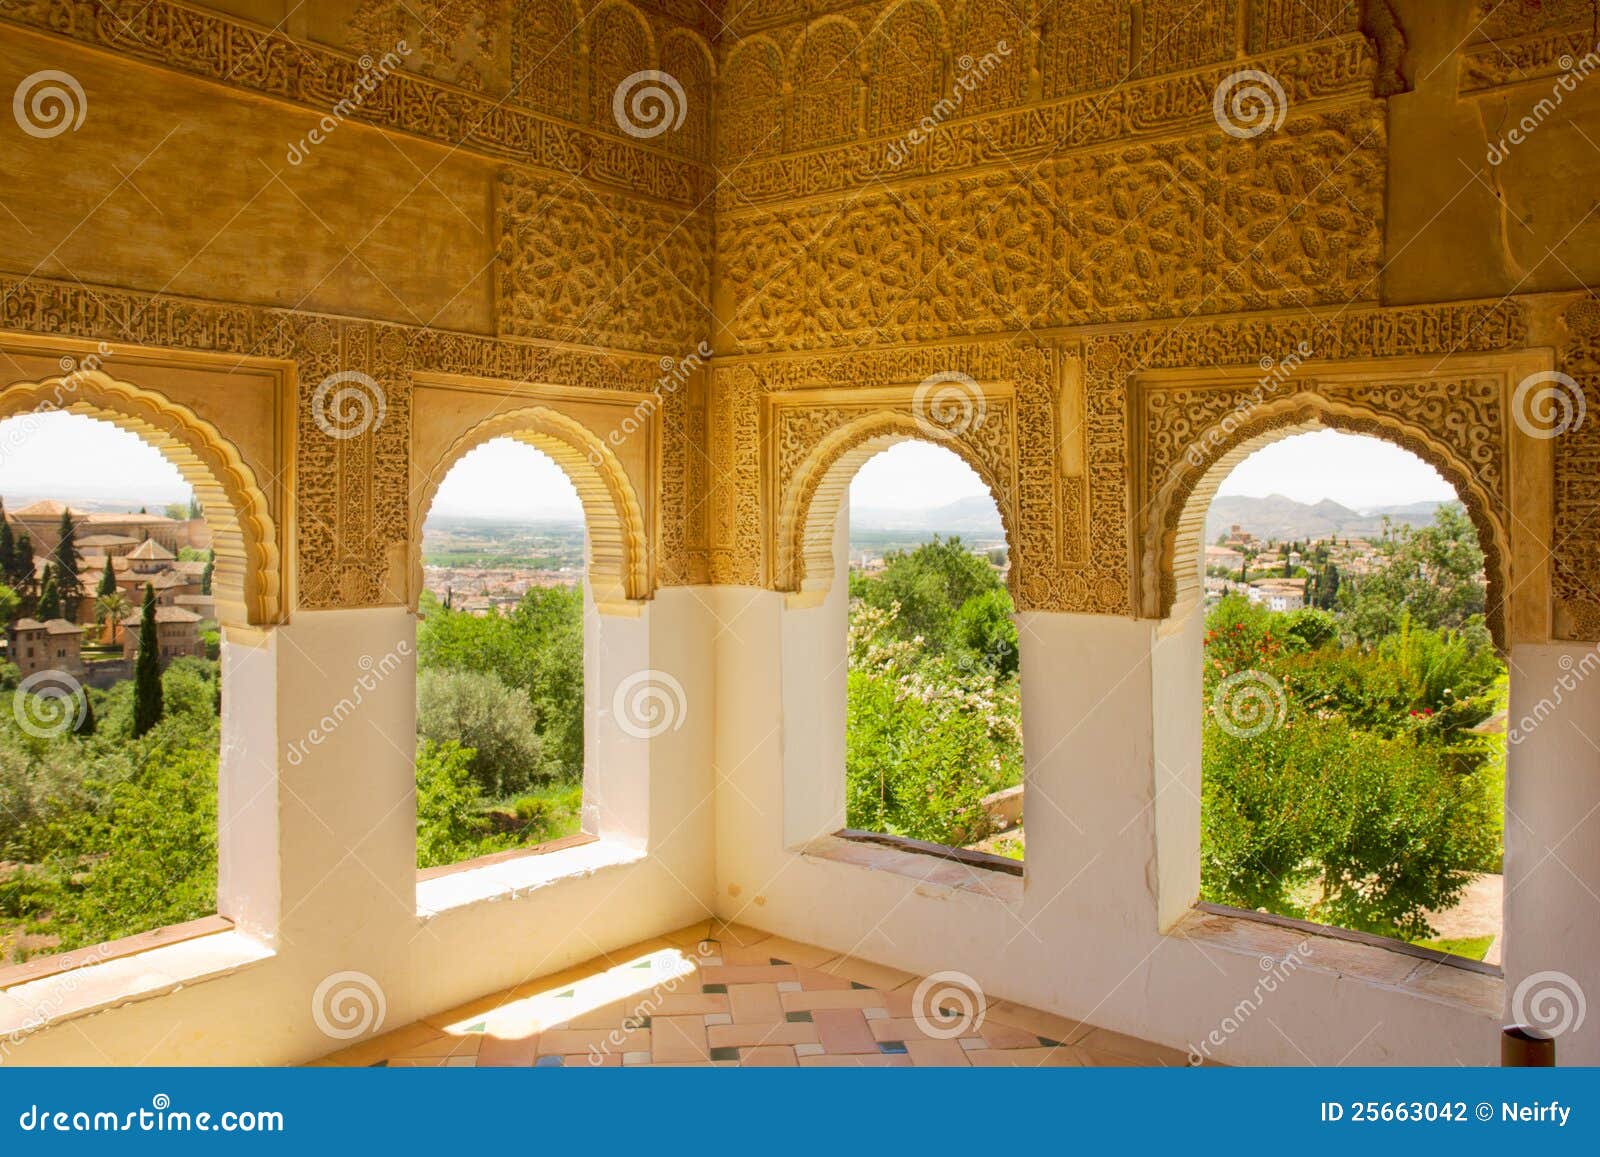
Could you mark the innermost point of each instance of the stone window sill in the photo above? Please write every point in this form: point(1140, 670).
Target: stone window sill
point(59, 996)
point(1465, 984)
point(497, 878)
point(926, 868)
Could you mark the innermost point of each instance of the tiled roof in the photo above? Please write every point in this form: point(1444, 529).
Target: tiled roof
point(53, 626)
point(163, 615)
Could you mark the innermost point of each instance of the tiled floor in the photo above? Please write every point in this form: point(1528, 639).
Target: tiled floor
point(724, 994)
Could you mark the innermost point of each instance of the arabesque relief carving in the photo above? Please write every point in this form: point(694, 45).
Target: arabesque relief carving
point(1577, 514)
point(265, 61)
point(352, 472)
point(1205, 224)
point(1519, 40)
point(1078, 223)
point(1190, 435)
point(595, 268)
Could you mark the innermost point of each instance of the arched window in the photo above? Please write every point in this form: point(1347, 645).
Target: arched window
point(1354, 737)
point(933, 749)
point(112, 689)
point(500, 658)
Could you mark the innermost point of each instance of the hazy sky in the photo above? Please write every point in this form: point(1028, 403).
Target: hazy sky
point(1355, 471)
point(58, 455)
point(70, 456)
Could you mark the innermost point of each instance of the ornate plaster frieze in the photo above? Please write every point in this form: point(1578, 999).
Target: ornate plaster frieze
point(1520, 40)
point(786, 431)
point(1340, 70)
point(1202, 224)
point(1191, 436)
point(351, 467)
point(581, 265)
point(265, 61)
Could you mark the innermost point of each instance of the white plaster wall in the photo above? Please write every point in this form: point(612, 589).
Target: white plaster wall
point(1552, 867)
point(339, 881)
point(1085, 940)
point(1102, 700)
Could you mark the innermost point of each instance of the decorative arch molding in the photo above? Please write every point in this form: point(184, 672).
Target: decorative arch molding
point(618, 561)
point(814, 488)
point(246, 580)
point(1457, 430)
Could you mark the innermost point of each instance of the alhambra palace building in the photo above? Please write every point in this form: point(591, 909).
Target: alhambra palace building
point(315, 253)
point(140, 547)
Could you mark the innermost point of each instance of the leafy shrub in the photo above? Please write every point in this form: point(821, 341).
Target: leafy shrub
point(926, 738)
point(537, 648)
point(492, 722)
point(1320, 820)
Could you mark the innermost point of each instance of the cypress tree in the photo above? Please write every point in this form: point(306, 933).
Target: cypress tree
point(205, 575)
point(49, 597)
point(86, 724)
point(108, 580)
point(20, 576)
point(147, 705)
point(8, 543)
point(68, 563)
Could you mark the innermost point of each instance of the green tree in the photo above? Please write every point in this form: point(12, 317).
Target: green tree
point(450, 825)
point(147, 697)
point(108, 580)
point(20, 575)
point(205, 575)
point(49, 605)
point(8, 543)
point(536, 648)
point(492, 722)
point(10, 604)
point(1433, 573)
point(928, 585)
point(112, 608)
point(67, 565)
point(927, 737)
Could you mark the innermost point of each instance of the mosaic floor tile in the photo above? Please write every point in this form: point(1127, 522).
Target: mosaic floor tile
point(727, 995)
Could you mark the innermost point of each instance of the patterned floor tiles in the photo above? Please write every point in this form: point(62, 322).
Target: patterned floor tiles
point(729, 995)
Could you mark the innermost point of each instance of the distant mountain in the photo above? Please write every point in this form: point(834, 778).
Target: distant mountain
point(975, 514)
point(1277, 517)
